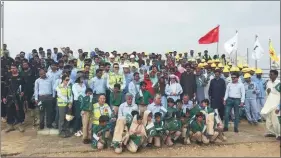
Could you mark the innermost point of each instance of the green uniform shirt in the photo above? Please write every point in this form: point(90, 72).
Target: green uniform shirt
point(159, 127)
point(196, 127)
point(85, 103)
point(144, 99)
point(172, 124)
point(115, 99)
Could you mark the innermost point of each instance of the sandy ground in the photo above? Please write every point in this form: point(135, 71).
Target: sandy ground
point(250, 142)
point(268, 149)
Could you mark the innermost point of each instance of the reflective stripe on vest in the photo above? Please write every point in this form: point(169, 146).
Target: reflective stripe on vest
point(115, 78)
point(64, 92)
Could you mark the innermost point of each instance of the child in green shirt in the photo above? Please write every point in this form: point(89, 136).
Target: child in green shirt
point(171, 106)
point(172, 127)
point(116, 98)
point(101, 133)
point(198, 129)
point(159, 127)
point(86, 106)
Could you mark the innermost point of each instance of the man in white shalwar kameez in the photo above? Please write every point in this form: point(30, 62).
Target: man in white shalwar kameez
point(268, 111)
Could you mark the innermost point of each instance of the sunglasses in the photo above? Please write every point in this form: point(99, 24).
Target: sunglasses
point(66, 79)
point(116, 67)
point(233, 77)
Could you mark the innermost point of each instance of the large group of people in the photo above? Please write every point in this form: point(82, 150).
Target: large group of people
point(134, 100)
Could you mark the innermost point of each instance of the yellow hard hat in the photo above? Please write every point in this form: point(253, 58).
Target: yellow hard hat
point(245, 65)
point(205, 64)
point(203, 60)
point(210, 62)
point(253, 69)
point(217, 60)
point(245, 70)
point(225, 69)
point(200, 65)
point(234, 69)
point(214, 65)
point(229, 64)
point(167, 53)
point(237, 69)
point(145, 53)
point(217, 68)
point(220, 65)
point(259, 71)
point(247, 75)
point(240, 66)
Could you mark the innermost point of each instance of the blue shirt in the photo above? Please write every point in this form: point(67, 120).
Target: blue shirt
point(250, 88)
point(261, 87)
point(53, 75)
point(128, 78)
point(98, 85)
point(43, 87)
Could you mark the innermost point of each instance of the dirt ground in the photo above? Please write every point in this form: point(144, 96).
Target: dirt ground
point(268, 149)
point(249, 142)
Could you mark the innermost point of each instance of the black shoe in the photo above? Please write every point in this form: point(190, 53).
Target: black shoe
point(86, 141)
point(149, 145)
point(269, 135)
point(225, 129)
point(236, 130)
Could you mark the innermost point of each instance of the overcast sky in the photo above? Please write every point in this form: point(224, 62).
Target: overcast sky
point(139, 26)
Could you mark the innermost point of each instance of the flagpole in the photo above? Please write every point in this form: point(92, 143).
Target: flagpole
point(218, 48)
point(2, 24)
point(269, 56)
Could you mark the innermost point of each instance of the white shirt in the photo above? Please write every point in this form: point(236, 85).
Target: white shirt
point(78, 90)
point(272, 85)
point(125, 109)
point(133, 89)
point(235, 90)
point(156, 108)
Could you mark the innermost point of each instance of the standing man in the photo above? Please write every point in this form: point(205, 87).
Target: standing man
point(268, 111)
point(216, 93)
point(251, 92)
point(261, 85)
point(234, 97)
point(188, 82)
point(98, 85)
point(134, 86)
point(43, 90)
point(15, 91)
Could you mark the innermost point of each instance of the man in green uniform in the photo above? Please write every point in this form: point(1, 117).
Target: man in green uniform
point(198, 129)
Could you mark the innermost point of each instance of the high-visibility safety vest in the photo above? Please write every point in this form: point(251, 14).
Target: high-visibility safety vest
point(92, 71)
point(80, 65)
point(67, 93)
point(115, 78)
point(97, 112)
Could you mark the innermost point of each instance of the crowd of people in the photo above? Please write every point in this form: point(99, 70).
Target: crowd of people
point(134, 100)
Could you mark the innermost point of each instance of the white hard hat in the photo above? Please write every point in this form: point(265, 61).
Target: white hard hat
point(132, 56)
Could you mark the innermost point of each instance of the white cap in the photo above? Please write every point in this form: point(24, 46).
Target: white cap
point(132, 56)
point(111, 56)
point(126, 65)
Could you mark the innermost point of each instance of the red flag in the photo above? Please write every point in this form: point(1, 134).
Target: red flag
point(211, 37)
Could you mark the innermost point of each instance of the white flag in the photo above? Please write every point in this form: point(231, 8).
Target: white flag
point(258, 50)
point(231, 45)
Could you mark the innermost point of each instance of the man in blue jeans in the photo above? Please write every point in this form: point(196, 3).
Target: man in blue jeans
point(234, 97)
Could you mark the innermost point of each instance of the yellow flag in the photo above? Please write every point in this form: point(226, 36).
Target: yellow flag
point(272, 52)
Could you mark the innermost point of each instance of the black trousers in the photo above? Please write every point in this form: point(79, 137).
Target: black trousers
point(3, 109)
point(47, 109)
point(15, 111)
